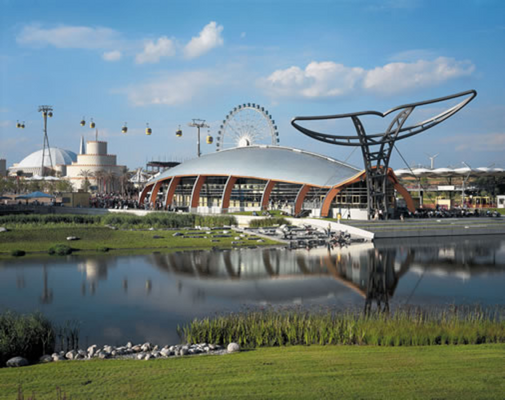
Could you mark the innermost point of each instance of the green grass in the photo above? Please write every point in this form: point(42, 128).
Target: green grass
point(95, 238)
point(315, 372)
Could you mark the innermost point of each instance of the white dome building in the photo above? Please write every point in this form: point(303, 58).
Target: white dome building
point(32, 164)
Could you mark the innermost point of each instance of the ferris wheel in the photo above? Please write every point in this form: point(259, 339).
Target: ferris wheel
point(247, 125)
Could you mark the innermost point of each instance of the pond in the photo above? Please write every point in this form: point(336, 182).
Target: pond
point(141, 298)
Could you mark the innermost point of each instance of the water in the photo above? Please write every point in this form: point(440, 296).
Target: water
point(144, 297)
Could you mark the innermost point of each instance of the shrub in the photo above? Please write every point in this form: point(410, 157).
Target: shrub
point(265, 222)
point(18, 253)
point(29, 336)
point(103, 249)
point(60, 250)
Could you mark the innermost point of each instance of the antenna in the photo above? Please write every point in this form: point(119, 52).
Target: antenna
point(432, 159)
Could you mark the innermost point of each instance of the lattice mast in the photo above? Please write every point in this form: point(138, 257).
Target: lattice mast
point(47, 111)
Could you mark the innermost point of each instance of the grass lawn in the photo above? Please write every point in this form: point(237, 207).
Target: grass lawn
point(331, 372)
point(32, 239)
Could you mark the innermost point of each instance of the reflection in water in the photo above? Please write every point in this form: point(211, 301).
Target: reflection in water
point(138, 297)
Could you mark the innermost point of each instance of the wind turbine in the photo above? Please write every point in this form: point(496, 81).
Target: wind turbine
point(432, 159)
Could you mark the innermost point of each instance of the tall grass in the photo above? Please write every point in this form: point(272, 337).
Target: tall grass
point(29, 336)
point(159, 220)
point(405, 327)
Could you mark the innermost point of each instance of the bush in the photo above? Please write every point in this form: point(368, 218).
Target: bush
point(18, 253)
point(60, 250)
point(103, 249)
point(265, 222)
point(29, 336)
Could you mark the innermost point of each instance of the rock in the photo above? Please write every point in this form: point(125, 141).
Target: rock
point(72, 238)
point(136, 348)
point(103, 355)
point(157, 237)
point(155, 348)
point(107, 349)
point(129, 345)
point(45, 359)
point(71, 355)
point(155, 354)
point(165, 352)
point(233, 347)
point(184, 351)
point(146, 346)
point(141, 356)
point(147, 357)
point(79, 357)
point(81, 352)
point(59, 357)
point(212, 346)
point(113, 353)
point(178, 234)
point(2, 229)
point(17, 362)
point(206, 349)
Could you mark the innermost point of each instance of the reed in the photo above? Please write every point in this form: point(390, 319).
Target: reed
point(405, 327)
point(29, 336)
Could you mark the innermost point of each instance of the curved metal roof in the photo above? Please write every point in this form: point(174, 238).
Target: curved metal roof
point(266, 162)
point(450, 172)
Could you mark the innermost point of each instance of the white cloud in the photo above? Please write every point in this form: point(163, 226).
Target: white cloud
point(209, 38)
point(243, 35)
point(330, 80)
point(67, 37)
point(400, 77)
point(153, 51)
point(485, 142)
point(172, 89)
point(114, 55)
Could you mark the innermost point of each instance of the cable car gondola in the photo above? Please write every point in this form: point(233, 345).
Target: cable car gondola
point(83, 121)
point(124, 129)
point(92, 124)
point(178, 132)
point(148, 130)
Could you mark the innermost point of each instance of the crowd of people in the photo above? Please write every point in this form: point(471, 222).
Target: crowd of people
point(115, 201)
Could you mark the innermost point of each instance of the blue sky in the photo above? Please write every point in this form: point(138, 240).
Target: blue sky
point(164, 63)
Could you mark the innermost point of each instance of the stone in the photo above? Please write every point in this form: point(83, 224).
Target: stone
point(113, 353)
point(147, 357)
point(81, 352)
point(141, 356)
point(107, 349)
point(212, 346)
point(79, 357)
point(45, 359)
point(72, 238)
point(155, 348)
point(103, 355)
point(178, 234)
point(146, 346)
point(129, 345)
point(233, 347)
point(3, 229)
point(71, 355)
point(136, 348)
point(17, 362)
point(59, 357)
point(155, 354)
point(184, 351)
point(165, 352)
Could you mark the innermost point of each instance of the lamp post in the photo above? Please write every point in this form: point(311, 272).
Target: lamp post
point(198, 123)
point(464, 183)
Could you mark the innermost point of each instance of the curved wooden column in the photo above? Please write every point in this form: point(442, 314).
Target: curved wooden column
point(405, 194)
point(171, 190)
point(225, 198)
point(154, 192)
point(300, 198)
point(144, 192)
point(328, 199)
point(265, 198)
point(195, 194)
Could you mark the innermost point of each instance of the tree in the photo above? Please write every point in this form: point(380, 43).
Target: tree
point(86, 173)
point(100, 178)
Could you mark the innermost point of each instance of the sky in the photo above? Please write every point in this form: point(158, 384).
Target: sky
point(164, 63)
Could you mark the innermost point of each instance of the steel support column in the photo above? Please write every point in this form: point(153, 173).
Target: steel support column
point(300, 198)
point(144, 192)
